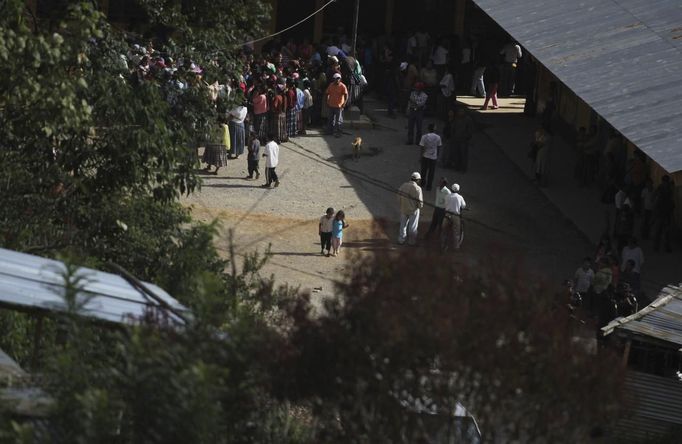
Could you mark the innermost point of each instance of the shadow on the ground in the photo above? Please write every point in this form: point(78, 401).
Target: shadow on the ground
point(231, 185)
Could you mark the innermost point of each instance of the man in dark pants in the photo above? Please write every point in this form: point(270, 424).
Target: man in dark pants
point(439, 208)
point(415, 112)
point(430, 144)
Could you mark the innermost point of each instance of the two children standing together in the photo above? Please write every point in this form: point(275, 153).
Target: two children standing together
point(331, 231)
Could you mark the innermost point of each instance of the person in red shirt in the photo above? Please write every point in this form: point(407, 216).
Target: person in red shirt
point(278, 114)
point(336, 97)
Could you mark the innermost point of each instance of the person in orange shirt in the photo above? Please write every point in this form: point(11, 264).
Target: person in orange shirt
point(336, 95)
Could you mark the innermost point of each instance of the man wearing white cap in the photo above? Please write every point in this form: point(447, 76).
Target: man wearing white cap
point(454, 204)
point(336, 97)
point(411, 201)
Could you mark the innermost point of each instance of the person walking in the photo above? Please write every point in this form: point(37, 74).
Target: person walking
point(325, 230)
point(336, 97)
point(236, 118)
point(253, 156)
point(215, 153)
point(271, 153)
point(415, 112)
point(454, 204)
point(337, 231)
point(411, 201)
point(491, 77)
point(439, 207)
point(430, 144)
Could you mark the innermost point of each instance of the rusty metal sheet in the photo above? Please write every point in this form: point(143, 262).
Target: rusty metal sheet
point(622, 57)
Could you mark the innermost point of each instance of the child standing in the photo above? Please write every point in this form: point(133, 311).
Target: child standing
point(326, 222)
point(254, 156)
point(337, 231)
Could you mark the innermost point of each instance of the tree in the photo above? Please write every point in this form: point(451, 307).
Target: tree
point(418, 334)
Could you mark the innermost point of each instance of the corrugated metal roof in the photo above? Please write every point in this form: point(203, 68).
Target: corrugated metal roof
point(656, 407)
point(661, 320)
point(33, 282)
point(622, 57)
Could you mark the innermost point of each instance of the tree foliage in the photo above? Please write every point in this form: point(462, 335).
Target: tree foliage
point(416, 335)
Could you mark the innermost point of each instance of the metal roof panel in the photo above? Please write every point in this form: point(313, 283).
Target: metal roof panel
point(622, 57)
point(33, 282)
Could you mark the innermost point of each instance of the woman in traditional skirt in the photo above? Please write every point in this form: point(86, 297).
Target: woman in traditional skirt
point(215, 153)
point(291, 108)
point(279, 118)
point(260, 113)
point(237, 133)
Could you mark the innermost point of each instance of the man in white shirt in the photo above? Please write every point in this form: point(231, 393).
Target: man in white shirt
point(411, 202)
point(583, 277)
point(440, 56)
point(512, 53)
point(430, 144)
point(454, 204)
point(271, 153)
point(632, 252)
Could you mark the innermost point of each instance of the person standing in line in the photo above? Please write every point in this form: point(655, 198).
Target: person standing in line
point(300, 105)
point(325, 230)
point(260, 112)
point(511, 53)
point(337, 231)
point(336, 97)
point(491, 77)
point(411, 201)
point(271, 153)
point(439, 207)
point(253, 156)
point(415, 112)
point(454, 204)
point(279, 118)
point(292, 103)
point(217, 147)
point(430, 144)
point(447, 97)
point(307, 106)
point(237, 133)
point(582, 280)
point(477, 82)
point(632, 252)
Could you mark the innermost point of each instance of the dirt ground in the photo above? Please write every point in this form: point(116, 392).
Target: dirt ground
point(509, 215)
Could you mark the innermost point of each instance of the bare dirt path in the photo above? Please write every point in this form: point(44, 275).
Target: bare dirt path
point(509, 215)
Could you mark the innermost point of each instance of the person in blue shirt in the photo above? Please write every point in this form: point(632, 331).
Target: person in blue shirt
point(337, 231)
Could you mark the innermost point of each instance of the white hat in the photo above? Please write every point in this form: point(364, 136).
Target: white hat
point(416, 176)
point(334, 59)
point(403, 66)
point(455, 187)
point(336, 75)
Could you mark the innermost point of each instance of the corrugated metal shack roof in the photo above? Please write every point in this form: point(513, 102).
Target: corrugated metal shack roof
point(34, 283)
point(622, 57)
point(661, 320)
point(656, 408)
